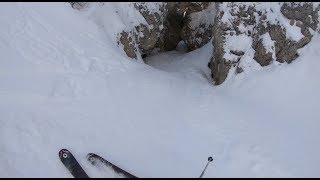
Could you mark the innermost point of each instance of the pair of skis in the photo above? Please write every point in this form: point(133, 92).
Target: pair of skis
point(76, 170)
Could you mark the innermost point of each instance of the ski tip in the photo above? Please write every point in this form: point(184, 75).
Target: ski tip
point(210, 159)
point(63, 153)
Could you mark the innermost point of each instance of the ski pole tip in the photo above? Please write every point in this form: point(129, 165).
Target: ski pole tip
point(210, 159)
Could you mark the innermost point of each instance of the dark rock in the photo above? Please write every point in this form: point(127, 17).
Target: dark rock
point(261, 55)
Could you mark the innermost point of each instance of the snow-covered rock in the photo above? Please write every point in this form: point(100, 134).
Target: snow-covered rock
point(142, 39)
point(263, 32)
point(198, 24)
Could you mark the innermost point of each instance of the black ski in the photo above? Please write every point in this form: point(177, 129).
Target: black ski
point(94, 159)
point(72, 164)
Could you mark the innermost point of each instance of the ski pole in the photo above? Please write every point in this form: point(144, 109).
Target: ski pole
point(209, 160)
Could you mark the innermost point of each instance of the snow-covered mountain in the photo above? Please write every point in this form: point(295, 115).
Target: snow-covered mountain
point(66, 83)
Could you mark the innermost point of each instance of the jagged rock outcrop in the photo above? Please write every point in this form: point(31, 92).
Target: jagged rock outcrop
point(198, 24)
point(144, 37)
point(173, 21)
point(191, 22)
point(260, 32)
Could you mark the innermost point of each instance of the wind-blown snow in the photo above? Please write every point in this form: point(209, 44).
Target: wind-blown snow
point(65, 84)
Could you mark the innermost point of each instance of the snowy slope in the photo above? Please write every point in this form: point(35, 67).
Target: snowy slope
point(65, 84)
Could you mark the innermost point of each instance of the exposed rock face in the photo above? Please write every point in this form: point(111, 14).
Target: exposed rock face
point(129, 44)
point(219, 67)
point(143, 38)
point(170, 36)
point(303, 14)
point(191, 22)
point(255, 31)
point(198, 24)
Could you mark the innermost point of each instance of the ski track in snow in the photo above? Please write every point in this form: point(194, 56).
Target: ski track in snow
point(64, 85)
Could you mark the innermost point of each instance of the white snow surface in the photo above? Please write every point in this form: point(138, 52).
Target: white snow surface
point(65, 84)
